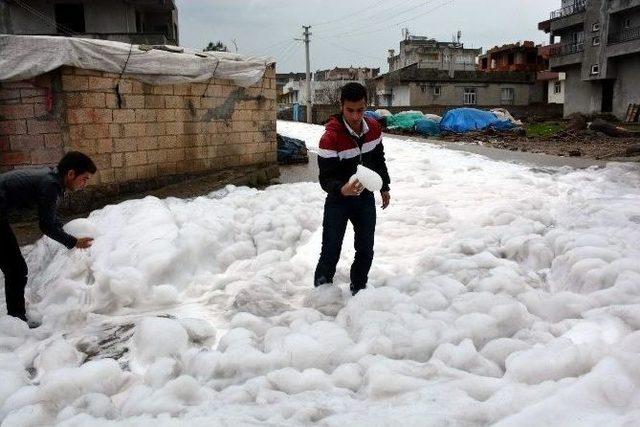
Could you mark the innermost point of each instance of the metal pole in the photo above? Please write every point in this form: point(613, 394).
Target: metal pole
point(306, 49)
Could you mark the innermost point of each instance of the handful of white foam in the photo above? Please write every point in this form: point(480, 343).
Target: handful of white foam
point(368, 178)
point(81, 227)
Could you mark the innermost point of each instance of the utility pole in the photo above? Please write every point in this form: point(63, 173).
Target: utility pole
point(306, 49)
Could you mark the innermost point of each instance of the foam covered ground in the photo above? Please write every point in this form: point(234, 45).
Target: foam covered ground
point(500, 294)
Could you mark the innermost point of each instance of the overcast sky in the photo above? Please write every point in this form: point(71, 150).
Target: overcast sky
point(355, 32)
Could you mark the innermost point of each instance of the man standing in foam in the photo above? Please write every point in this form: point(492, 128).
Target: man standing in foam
point(349, 140)
point(41, 188)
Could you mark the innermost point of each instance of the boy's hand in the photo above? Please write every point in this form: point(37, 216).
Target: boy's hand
point(351, 189)
point(84, 242)
point(386, 198)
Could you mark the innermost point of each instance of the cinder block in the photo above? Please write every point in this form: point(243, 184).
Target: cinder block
point(134, 129)
point(16, 111)
point(45, 157)
point(147, 143)
point(135, 158)
point(124, 144)
point(95, 131)
point(26, 142)
point(134, 101)
point(53, 140)
point(13, 127)
point(124, 116)
point(97, 83)
point(146, 115)
point(117, 160)
point(15, 158)
point(154, 101)
point(105, 145)
point(74, 83)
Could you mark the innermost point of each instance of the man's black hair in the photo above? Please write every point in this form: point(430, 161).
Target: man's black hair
point(76, 161)
point(353, 92)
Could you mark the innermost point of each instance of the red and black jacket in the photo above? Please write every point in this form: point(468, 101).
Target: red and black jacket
point(340, 153)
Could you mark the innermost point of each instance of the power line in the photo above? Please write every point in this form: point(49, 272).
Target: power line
point(356, 34)
point(349, 15)
point(351, 51)
point(389, 17)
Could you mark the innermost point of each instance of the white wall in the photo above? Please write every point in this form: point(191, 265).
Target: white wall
point(556, 98)
point(401, 96)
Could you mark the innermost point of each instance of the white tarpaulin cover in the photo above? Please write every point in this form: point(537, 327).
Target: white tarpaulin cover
point(24, 57)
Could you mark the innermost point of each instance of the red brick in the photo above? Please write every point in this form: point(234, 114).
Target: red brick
point(37, 127)
point(26, 142)
point(16, 111)
point(13, 158)
point(13, 127)
point(4, 144)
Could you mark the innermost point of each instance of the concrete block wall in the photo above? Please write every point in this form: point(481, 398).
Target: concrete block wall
point(141, 133)
point(30, 132)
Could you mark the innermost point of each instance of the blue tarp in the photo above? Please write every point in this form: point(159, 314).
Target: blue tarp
point(427, 127)
point(372, 115)
point(461, 120)
point(291, 150)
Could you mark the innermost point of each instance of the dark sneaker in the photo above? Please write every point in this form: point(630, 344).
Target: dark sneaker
point(354, 290)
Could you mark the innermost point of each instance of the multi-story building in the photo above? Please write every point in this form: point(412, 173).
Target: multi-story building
point(416, 86)
point(431, 54)
point(350, 74)
point(513, 57)
point(130, 21)
point(599, 52)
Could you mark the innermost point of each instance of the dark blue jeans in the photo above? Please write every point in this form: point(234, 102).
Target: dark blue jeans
point(14, 269)
point(361, 211)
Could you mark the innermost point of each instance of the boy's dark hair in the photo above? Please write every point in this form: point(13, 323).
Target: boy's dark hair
point(76, 161)
point(353, 92)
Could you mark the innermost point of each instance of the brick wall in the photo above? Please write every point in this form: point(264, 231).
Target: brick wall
point(30, 131)
point(145, 134)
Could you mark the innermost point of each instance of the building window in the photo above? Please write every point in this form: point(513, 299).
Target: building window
point(423, 88)
point(470, 96)
point(436, 91)
point(557, 87)
point(595, 69)
point(595, 27)
point(627, 23)
point(69, 18)
point(507, 96)
point(596, 41)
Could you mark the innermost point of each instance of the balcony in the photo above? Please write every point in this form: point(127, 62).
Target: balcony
point(563, 49)
point(624, 35)
point(577, 7)
point(565, 54)
point(623, 42)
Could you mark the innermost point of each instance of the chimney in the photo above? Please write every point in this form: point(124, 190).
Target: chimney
point(392, 53)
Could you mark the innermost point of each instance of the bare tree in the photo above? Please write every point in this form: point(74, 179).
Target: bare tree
point(216, 47)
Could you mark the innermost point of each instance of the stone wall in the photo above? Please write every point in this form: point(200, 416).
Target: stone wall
point(140, 135)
